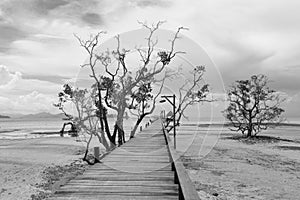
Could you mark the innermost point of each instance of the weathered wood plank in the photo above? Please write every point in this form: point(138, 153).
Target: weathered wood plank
point(119, 188)
point(113, 197)
point(122, 183)
point(139, 169)
point(109, 168)
point(141, 193)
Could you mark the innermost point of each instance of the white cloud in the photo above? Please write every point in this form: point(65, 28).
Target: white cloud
point(16, 85)
point(7, 79)
point(18, 95)
point(47, 56)
point(33, 102)
point(242, 37)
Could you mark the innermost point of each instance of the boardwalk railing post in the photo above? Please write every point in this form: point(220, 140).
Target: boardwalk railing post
point(173, 166)
point(171, 160)
point(181, 197)
point(175, 177)
point(97, 154)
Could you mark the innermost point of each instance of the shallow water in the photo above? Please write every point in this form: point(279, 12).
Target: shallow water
point(22, 128)
point(18, 128)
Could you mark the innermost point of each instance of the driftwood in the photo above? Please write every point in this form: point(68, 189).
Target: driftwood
point(73, 131)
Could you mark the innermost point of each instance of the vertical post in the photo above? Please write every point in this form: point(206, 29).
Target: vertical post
point(96, 154)
point(176, 181)
point(173, 166)
point(181, 197)
point(174, 121)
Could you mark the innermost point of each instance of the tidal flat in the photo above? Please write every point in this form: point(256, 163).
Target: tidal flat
point(224, 165)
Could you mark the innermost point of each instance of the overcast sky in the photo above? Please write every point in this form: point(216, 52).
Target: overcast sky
point(38, 52)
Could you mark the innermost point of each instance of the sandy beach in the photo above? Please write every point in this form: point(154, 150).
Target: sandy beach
point(239, 169)
point(29, 167)
point(221, 166)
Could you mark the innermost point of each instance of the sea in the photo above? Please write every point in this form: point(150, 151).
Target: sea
point(22, 128)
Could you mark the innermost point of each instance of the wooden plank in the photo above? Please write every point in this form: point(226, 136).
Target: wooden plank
point(127, 178)
point(119, 188)
point(112, 197)
point(139, 169)
point(121, 183)
point(144, 169)
point(137, 159)
point(119, 173)
point(105, 169)
point(111, 192)
point(142, 182)
point(109, 168)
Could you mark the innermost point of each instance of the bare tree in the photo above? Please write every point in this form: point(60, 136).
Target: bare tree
point(63, 98)
point(93, 59)
point(113, 89)
point(253, 106)
point(151, 65)
point(84, 116)
point(192, 92)
point(143, 102)
point(117, 88)
point(118, 82)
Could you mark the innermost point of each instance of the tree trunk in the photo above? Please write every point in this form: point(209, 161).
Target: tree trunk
point(115, 133)
point(250, 126)
point(107, 130)
point(119, 124)
point(121, 138)
point(178, 119)
point(135, 128)
point(87, 151)
point(100, 106)
point(137, 123)
point(102, 139)
point(249, 133)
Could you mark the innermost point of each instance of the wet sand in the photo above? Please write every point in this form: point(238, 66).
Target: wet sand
point(220, 168)
point(223, 168)
point(27, 164)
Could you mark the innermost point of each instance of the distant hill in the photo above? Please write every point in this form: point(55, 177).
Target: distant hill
point(43, 115)
point(4, 117)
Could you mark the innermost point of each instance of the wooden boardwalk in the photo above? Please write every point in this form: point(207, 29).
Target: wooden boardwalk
point(140, 169)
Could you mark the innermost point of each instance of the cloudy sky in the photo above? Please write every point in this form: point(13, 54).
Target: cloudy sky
point(38, 52)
